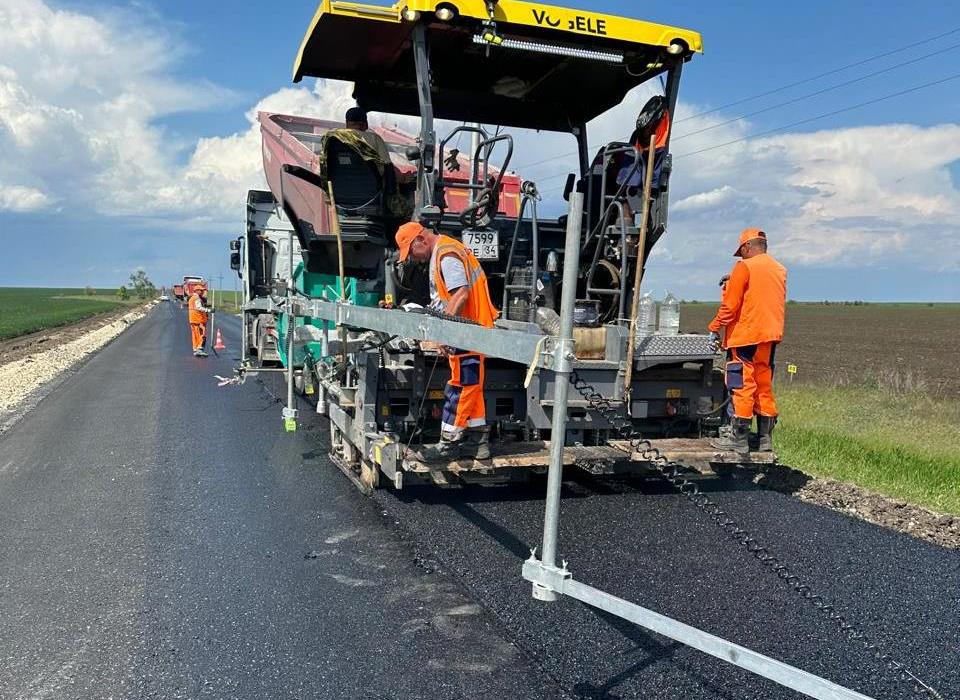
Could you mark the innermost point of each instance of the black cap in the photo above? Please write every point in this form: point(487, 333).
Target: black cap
point(356, 114)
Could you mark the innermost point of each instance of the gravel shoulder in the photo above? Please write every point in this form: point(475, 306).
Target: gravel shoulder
point(45, 359)
point(940, 528)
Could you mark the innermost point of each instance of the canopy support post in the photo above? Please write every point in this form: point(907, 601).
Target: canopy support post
point(426, 177)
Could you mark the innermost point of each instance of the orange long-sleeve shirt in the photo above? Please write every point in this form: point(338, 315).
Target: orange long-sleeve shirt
point(196, 310)
point(753, 306)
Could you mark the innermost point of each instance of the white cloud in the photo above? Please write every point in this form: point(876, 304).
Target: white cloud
point(79, 96)
point(705, 200)
point(17, 198)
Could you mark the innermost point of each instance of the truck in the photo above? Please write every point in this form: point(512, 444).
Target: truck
point(191, 283)
point(178, 292)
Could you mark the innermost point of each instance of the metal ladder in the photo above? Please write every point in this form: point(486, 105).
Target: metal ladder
point(603, 230)
point(528, 195)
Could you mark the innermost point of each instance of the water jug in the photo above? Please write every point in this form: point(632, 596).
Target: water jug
point(646, 316)
point(669, 315)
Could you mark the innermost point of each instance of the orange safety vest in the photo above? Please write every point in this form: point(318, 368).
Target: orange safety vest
point(479, 307)
point(753, 306)
point(195, 312)
point(661, 132)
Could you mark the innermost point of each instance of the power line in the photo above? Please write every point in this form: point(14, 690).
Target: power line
point(818, 92)
point(820, 75)
point(801, 122)
point(790, 85)
point(822, 116)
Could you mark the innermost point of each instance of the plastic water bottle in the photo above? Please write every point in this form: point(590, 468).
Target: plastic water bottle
point(669, 315)
point(646, 316)
point(548, 320)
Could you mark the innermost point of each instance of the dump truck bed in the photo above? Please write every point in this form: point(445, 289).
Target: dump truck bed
point(294, 140)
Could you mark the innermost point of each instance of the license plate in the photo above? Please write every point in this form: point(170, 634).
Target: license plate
point(484, 244)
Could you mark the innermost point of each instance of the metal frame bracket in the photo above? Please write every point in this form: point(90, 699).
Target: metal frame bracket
point(547, 580)
point(563, 355)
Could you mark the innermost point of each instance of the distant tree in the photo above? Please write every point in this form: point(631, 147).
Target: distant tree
point(89, 291)
point(141, 284)
point(122, 292)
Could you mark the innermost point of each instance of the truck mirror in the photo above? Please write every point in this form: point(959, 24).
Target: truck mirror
point(412, 153)
point(235, 244)
point(235, 261)
point(568, 188)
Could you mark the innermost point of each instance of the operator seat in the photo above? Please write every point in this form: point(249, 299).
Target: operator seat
point(358, 187)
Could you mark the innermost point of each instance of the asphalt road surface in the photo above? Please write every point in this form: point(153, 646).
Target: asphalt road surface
point(161, 537)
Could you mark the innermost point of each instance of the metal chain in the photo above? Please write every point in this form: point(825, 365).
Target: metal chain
point(437, 313)
point(671, 470)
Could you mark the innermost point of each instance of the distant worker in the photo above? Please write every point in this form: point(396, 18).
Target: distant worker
point(751, 313)
point(458, 287)
point(356, 119)
point(197, 314)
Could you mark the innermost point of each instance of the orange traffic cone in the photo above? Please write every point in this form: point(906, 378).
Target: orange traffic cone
point(219, 344)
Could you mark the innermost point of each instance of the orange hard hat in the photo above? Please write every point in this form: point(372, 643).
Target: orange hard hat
point(405, 236)
point(748, 234)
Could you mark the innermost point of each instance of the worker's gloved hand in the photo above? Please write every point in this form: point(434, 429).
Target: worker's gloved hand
point(715, 341)
point(723, 280)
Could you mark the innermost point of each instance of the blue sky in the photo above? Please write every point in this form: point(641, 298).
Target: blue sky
point(854, 223)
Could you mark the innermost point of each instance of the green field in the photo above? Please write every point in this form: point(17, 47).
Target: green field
point(902, 445)
point(27, 310)
point(876, 397)
point(227, 301)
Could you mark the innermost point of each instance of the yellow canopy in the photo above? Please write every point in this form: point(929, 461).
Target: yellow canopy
point(529, 65)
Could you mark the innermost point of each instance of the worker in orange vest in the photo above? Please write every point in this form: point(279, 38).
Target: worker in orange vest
point(751, 314)
point(458, 287)
point(197, 315)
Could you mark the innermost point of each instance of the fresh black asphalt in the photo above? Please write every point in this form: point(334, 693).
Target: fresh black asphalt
point(162, 538)
point(154, 528)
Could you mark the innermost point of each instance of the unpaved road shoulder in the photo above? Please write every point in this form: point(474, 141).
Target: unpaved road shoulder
point(26, 380)
point(29, 344)
point(940, 528)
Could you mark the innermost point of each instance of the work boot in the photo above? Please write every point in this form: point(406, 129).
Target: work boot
point(476, 443)
point(448, 449)
point(765, 425)
point(201, 353)
point(737, 440)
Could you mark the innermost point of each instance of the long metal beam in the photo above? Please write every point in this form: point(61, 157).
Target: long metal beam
point(560, 581)
point(492, 342)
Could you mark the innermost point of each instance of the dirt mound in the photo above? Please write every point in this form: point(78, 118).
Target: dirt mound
point(939, 528)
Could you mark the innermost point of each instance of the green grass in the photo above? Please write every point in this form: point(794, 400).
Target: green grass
point(227, 301)
point(906, 446)
point(27, 310)
point(876, 400)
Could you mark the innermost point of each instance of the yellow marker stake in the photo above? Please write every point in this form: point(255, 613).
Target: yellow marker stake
point(290, 425)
